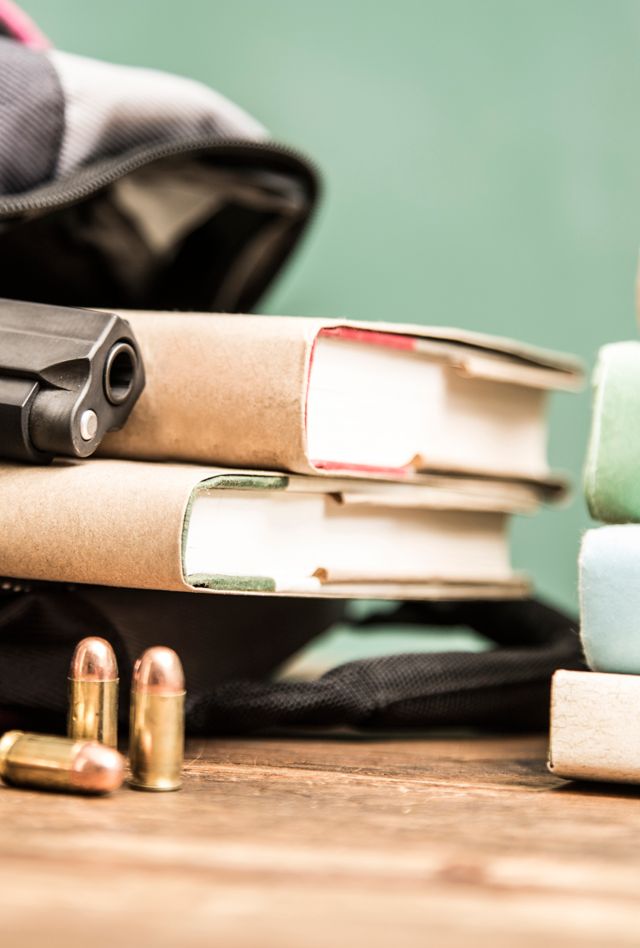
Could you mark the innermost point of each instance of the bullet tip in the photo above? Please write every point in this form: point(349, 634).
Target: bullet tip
point(97, 768)
point(94, 660)
point(159, 670)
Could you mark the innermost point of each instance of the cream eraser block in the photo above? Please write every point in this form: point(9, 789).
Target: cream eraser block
point(595, 727)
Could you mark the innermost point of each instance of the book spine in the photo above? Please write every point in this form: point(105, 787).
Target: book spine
point(229, 388)
point(609, 569)
point(595, 730)
point(611, 482)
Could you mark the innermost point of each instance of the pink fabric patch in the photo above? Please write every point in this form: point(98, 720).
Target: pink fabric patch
point(21, 26)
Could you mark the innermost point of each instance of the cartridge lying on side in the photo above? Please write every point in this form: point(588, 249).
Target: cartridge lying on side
point(156, 733)
point(59, 763)
point(93, 693)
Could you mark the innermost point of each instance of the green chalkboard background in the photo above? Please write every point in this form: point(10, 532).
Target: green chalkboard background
point(481, 160)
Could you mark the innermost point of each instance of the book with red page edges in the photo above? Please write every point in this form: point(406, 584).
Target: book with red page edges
point(389, 401)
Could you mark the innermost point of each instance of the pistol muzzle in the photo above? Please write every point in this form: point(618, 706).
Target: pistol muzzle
point(67, 376)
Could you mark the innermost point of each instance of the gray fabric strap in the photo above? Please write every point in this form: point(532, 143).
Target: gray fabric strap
point(31, 118)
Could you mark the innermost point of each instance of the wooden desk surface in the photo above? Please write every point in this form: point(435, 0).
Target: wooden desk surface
point(341, 841)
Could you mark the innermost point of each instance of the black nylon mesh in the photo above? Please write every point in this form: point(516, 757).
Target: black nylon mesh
point(217, 637)
point(506, 687)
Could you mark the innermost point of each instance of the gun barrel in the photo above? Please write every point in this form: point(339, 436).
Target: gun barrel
point(67, 376)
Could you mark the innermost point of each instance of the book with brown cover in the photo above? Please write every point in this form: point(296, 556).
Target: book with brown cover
point(183, 527)
point(319, 396)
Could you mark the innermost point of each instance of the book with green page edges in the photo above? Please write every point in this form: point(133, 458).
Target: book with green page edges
point(219, 530)
point(612, 472)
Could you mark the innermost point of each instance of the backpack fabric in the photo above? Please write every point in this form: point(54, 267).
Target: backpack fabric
point(125, 187)
point(231, 647)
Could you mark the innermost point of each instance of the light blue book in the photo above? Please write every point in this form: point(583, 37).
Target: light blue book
point(610, 598)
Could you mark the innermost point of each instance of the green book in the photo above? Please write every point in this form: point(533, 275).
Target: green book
point(612, 472)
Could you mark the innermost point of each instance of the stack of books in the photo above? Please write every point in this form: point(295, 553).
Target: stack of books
point(595, 726)
point(301, 457)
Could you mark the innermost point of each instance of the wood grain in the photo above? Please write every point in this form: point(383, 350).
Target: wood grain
point(329, 840)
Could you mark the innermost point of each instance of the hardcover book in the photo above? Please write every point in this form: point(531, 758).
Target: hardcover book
point(611, 481)
point(609, 571)
point(322, 397)
point(595, 727)
point(183, 527)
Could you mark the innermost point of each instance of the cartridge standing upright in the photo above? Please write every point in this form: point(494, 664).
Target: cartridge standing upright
point(93, 693)
point(156, 733)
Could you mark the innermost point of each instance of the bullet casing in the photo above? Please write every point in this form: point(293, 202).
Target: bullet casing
point(93, 692)
point(156, 742)
point(93, 711)
point(47, 762)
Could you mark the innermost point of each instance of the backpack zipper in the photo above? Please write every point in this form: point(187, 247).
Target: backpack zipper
point(85, 181)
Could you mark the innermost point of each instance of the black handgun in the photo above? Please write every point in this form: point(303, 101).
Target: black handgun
point(67, 376)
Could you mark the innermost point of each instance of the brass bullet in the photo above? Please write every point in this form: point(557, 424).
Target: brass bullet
point(156, 732)
point(93, 693)
point(59, 763)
